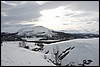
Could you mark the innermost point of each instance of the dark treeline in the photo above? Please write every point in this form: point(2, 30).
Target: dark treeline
point(61, 36)
point(5, 36)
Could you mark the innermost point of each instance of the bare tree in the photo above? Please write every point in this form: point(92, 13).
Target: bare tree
point(22, 44)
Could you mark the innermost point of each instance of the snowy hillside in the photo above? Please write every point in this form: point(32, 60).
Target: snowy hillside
point(36, 30)
point(84, 49)
point(96, 32)
point(76, 31)
point(13, 55)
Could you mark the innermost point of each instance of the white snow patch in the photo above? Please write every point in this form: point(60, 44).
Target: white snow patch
point(84, 49)
point(13, 55)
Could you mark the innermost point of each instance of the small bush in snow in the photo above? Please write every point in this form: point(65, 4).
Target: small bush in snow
point(71, 64)
point(37, 49)
point(27, 47)
point(39, 44)
point(85, 62)
point(22, 44)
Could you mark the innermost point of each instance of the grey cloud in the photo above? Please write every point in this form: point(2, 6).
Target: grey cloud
point(10, 29)
point(5, 6)
point(57, 16)
point(82, 14)
point(66, 24)
point(13, 28)
point(69, 14)
point(14, 2)
point(27, 9)
point(86, 5)
point(30, 11)
point(26, 12)
point(74, 5)
point(54, 4)
point(18, 25)
point(89, 22)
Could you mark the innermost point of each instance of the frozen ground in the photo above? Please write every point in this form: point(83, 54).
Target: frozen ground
point(84, 49)
point(13, 55)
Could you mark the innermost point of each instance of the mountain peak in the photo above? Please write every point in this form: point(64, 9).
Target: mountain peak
point(35, 30)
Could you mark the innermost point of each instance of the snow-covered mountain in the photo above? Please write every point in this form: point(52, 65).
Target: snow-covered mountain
point(45, 33)
point(96, 32)
point(75, 31)
point(36, 30)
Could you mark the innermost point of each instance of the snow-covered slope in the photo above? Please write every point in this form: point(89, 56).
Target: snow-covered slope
point(76, 31)
point(96, 32)
point(36, 30)
point(13, 55)
point(84, 49)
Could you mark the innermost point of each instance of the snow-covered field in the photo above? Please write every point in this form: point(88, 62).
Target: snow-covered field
point(32, 39)
point(84, 49)
point(13, 55)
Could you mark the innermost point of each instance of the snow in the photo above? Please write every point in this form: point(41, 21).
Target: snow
point(36, 30)
point(50, 40)
point(76, 31)
point(13, 55)
point(38, 39)
point(32, 39)
point(96, 32)
point(84, 49)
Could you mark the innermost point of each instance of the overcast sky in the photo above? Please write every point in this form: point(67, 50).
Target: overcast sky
point(56, 15)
